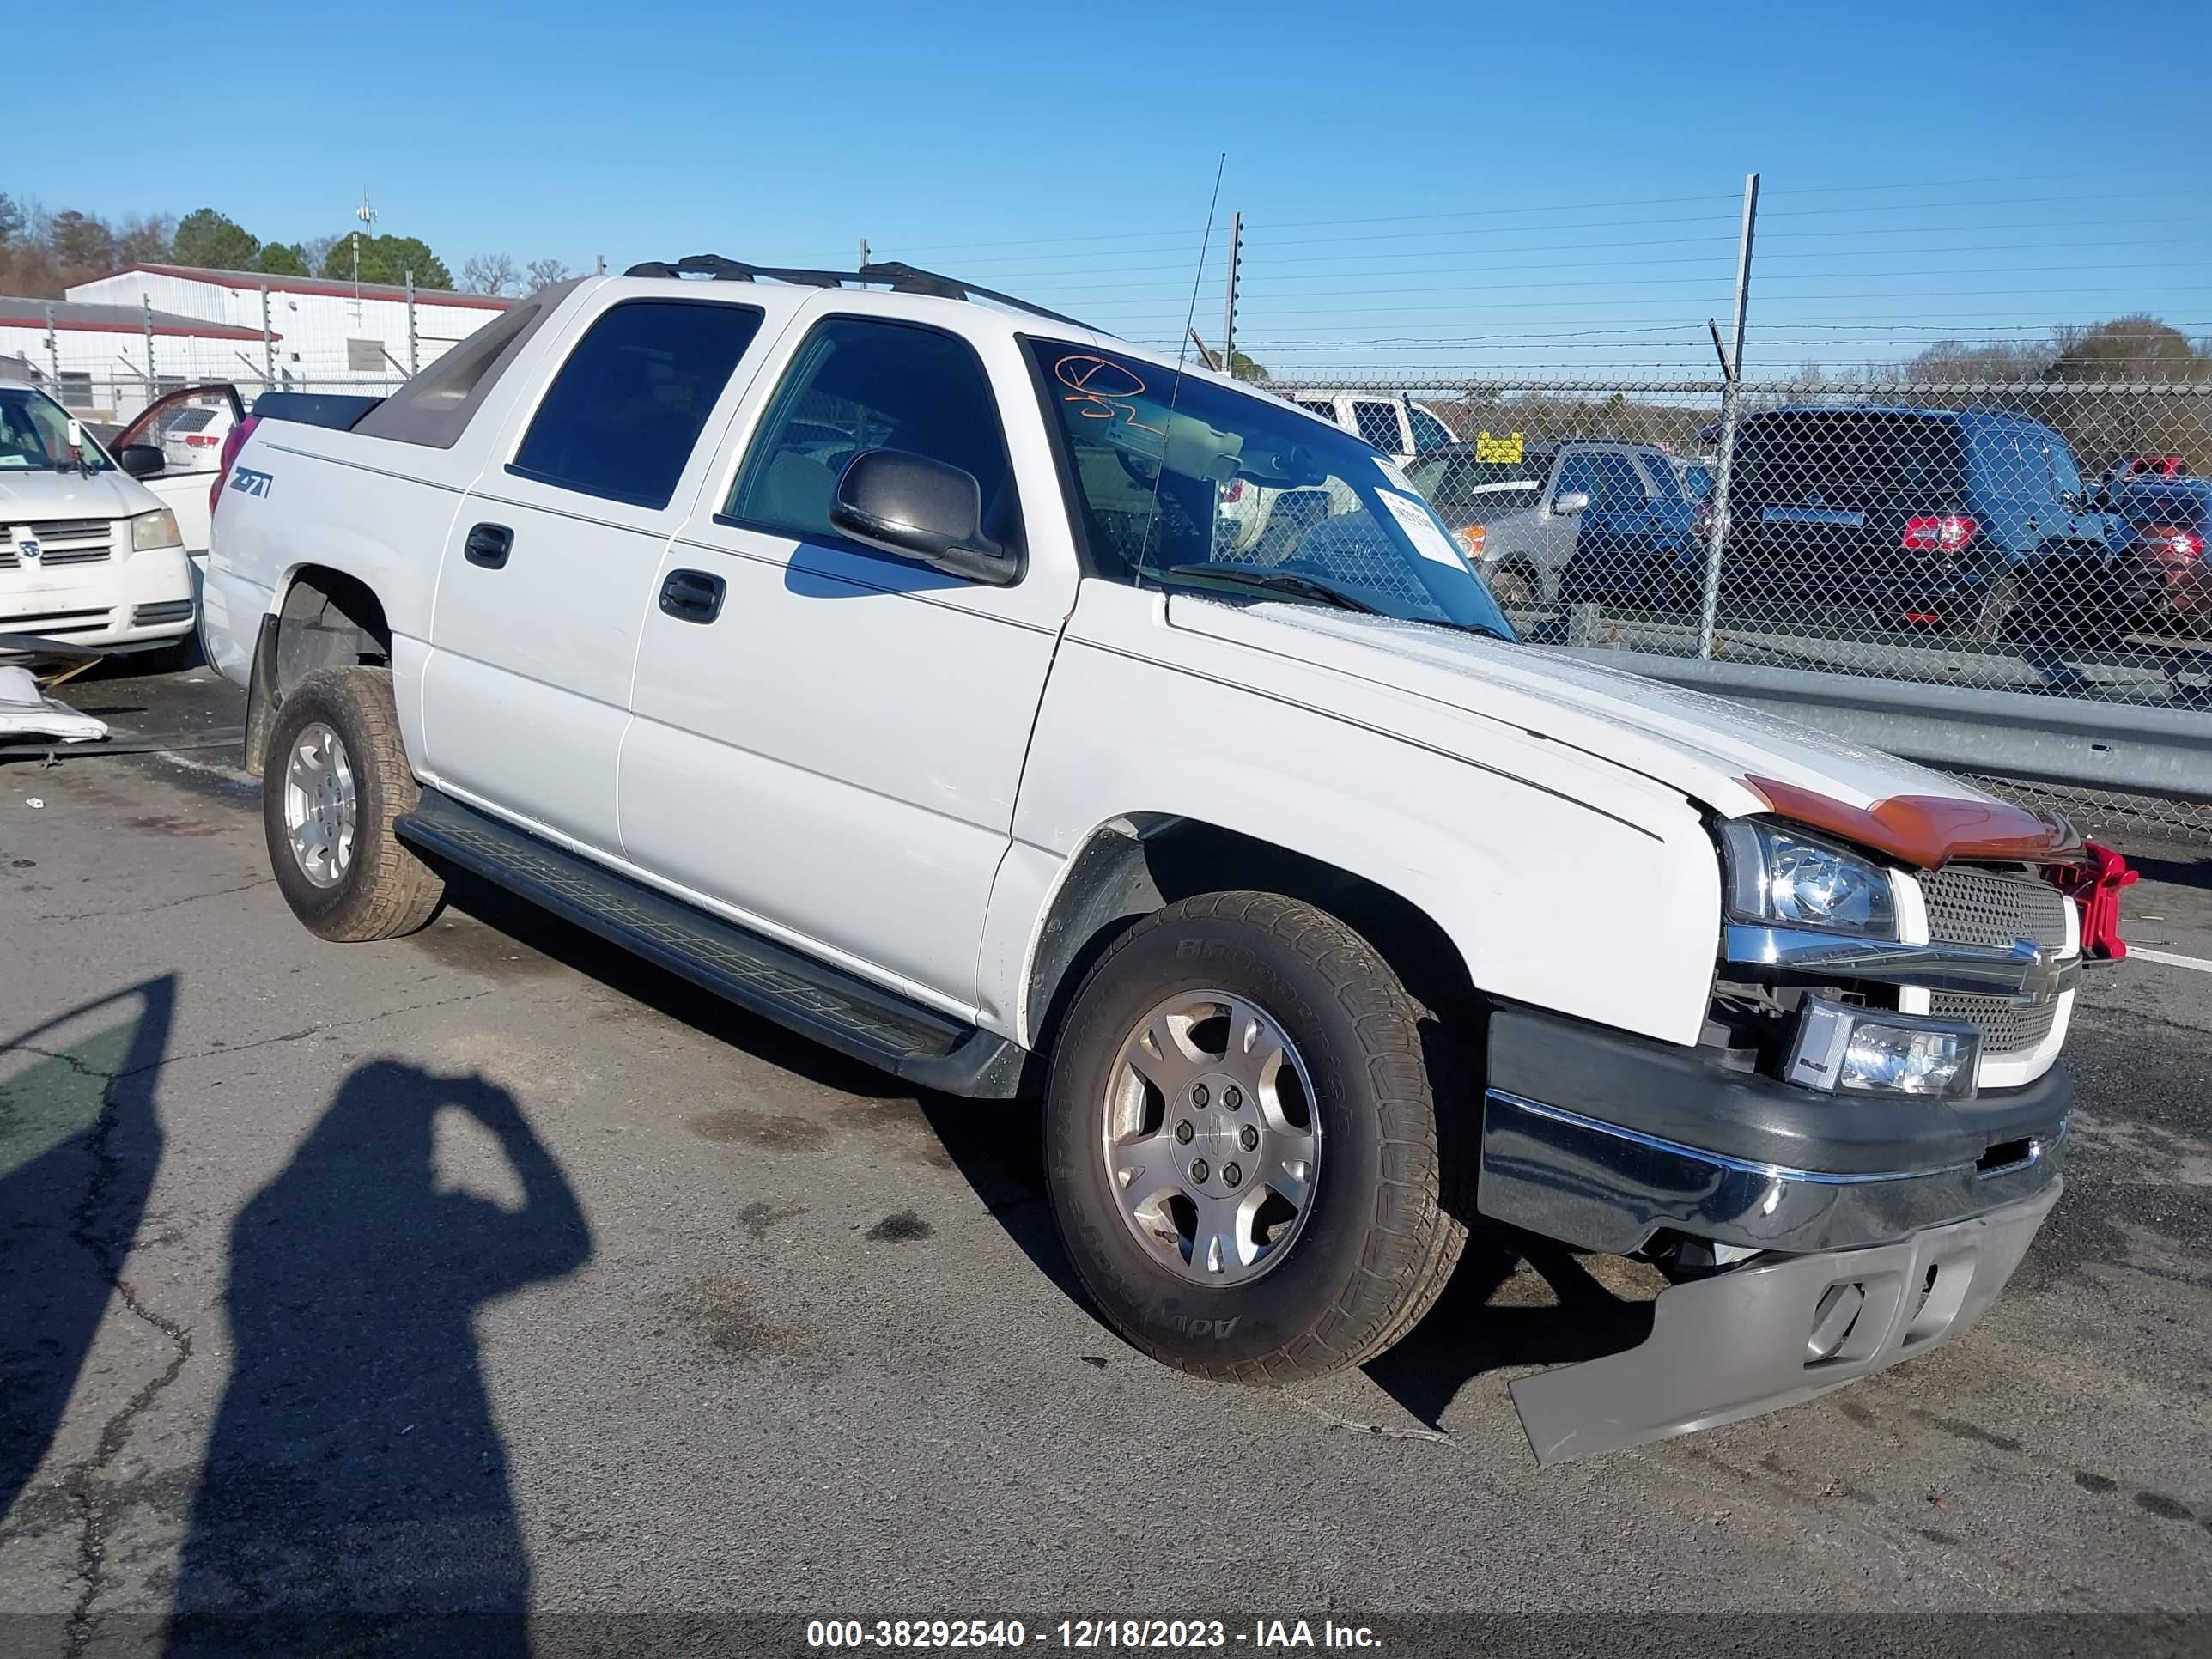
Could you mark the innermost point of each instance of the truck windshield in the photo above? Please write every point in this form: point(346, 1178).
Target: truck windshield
point(34, 434)
point(1175, 482)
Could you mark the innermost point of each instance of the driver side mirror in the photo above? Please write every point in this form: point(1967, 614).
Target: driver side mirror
point(141, 460)
point(923, 509)
point(1571, 501)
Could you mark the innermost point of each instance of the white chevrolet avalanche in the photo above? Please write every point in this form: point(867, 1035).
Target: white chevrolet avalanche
point(87, 555)
point(884, 656)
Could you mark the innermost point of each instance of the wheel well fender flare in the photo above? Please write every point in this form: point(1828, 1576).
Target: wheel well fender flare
point(325, 619)
point(1133, 864)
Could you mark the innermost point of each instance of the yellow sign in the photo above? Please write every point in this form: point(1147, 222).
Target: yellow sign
point(1506, 449)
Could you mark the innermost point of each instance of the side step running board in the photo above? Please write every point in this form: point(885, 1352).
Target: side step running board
point(833, 1007)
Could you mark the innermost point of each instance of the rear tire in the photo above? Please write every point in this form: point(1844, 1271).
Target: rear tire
point(1997, 610)
point(1355, 1266)
point(336, 781)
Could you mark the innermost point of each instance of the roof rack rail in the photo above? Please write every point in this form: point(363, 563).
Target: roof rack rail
point(891, 274)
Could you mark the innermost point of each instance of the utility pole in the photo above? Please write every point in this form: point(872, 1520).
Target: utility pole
point(1229, 309)
point(1731, 412)
point(600, 265)
point(863, 265)
point(146, 302)
point(268, 345)
point(53, 353)
point(413, 358)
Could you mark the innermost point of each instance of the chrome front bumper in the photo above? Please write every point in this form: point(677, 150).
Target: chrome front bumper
point(1777, 1331)
point(1607, 1188)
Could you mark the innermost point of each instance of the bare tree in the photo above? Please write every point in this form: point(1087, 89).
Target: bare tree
point(488, 273)
point(543, 273)
point(315, 252)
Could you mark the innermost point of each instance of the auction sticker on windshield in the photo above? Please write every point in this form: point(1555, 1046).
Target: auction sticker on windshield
point(1419, 524)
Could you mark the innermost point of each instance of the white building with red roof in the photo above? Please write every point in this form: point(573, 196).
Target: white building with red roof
point(321, 334)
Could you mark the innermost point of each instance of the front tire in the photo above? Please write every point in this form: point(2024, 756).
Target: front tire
point(1242, 1143)
point(336, 781)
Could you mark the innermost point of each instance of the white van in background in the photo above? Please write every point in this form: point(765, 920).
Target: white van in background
point(1393, 423)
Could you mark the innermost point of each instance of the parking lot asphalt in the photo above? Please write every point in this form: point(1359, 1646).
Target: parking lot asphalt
point(488, 1268)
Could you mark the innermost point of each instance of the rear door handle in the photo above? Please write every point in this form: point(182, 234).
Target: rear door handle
point(488, 545)
point(692, 596)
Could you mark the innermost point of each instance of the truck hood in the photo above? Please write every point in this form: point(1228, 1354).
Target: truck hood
point(29, 497)
point(1704, 746)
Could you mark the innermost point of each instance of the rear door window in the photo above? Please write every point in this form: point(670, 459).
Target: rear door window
point(1848, 459)
point(1429, 432)
point(622, 417)
point(1378, 424)
point(1662, 480)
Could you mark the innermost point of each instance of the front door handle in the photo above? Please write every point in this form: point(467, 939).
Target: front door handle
point(488, 545)
point(692, 596)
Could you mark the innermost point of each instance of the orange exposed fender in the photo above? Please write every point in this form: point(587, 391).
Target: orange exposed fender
point(1928, 831)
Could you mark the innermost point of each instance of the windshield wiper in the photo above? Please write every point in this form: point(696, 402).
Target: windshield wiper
point(1275, 581)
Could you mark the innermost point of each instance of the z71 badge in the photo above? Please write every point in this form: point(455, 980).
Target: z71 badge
point(247, 481)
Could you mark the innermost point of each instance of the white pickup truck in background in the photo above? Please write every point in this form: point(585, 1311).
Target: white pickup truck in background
point(870, 649)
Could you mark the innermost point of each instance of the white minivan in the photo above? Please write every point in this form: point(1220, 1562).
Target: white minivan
point(1393, 423)
point(87, 555)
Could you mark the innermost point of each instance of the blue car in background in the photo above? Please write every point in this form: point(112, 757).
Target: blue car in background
point(1973, 520)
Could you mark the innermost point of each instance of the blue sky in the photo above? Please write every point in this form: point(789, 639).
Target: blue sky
point(1446, 185)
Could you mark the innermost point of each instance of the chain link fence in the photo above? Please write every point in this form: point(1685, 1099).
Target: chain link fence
point(2026, 536)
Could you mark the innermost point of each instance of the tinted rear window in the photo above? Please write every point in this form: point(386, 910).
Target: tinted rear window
point(1849, 457)
point(2188, 508)
point(623, 415)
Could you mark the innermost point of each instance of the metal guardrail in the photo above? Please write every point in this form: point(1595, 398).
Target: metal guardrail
point(2119, 747)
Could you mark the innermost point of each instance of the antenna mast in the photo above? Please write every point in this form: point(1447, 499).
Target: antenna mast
point(367, 215)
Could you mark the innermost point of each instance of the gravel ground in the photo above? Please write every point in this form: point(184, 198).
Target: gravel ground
point(488, 1270)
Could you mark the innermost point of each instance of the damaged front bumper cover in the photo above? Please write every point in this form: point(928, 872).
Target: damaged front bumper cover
point(1884, 1226)
point(1777, 1331)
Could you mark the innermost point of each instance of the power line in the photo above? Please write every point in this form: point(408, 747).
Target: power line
point(1962, 183)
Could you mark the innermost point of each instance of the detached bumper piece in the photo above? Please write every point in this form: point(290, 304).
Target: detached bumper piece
point(27, 713)
point(1776, 1332)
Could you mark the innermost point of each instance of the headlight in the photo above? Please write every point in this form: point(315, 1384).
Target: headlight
point(1873, 1051)
point(154, 529)
point(1783, 876)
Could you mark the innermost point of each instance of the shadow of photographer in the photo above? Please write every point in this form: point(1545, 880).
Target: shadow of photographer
point(355, 1491)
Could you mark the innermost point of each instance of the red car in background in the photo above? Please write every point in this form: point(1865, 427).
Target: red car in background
point(2171, 518)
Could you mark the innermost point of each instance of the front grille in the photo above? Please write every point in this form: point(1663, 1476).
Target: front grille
point(63, 541)
point(7, 559)
point(1967, 906)
point(2006, 1031)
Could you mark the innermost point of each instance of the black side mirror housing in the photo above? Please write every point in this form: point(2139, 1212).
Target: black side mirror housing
point(142, 460)
point(921, 508)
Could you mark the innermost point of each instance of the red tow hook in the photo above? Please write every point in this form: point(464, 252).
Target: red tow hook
point(2094, 886)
